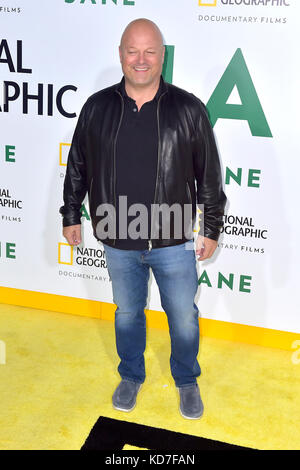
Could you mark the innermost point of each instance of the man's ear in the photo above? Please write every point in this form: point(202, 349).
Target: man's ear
point(120, 54)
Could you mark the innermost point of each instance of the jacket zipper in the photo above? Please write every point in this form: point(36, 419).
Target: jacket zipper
point(189, 192)
point(115, 144)
point(158, 165)
point(91, 187)
point(90, 192)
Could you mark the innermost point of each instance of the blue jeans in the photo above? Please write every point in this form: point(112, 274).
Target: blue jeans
point(174, 269)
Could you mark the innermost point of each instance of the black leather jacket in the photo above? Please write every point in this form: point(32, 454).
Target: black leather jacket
point(188, 169)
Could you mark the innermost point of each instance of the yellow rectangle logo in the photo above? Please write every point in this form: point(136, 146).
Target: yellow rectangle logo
point(63, 153)
point(65, 253)
point(207, 3)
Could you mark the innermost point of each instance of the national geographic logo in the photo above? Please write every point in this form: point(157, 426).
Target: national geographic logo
point(41, 99)
point(241, 18)
point(247, 232)
point(252, 3)
point(104, 2)
point(64, 148)
point(78, 257)
point(7, 201)
point(241, 226)
point(207, 3)
point(81, 256)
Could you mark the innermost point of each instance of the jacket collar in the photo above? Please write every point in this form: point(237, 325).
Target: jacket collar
point(161, 90)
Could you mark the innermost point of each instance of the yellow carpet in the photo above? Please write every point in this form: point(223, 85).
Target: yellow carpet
point(60, 372)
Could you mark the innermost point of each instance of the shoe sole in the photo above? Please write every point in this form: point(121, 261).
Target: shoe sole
point(190, 417)
point(127, 409)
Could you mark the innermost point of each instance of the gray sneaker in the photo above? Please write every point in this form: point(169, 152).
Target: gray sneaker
point(191, 406)
point(124, 397)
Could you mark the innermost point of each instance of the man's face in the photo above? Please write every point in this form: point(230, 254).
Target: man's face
point(142, 56)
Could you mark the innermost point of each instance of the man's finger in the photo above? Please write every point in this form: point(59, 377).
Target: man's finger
point(208, 249)
point(76, 238)
point(203, 253)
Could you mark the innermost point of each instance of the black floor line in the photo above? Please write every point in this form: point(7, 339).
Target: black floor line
point(112, 434)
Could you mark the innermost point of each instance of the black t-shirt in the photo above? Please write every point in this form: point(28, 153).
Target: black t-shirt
point(136, 167)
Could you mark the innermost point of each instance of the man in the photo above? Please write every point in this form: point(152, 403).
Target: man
point(151, 144)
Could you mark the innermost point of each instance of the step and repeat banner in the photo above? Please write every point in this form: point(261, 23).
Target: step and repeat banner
point(241, 58)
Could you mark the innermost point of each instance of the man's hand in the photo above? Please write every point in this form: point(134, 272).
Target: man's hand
point(205, 247)
point(72, 234)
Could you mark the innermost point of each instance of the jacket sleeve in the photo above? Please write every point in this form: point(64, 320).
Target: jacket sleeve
point(210, 196)
point(75, 184)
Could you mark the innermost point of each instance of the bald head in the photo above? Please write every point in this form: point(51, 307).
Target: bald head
point(141, 26)
point(142, 55)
